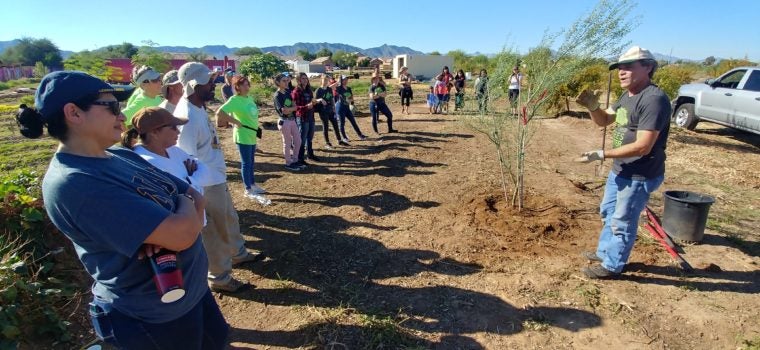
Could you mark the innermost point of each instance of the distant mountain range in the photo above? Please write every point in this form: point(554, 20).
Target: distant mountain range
point(291, 50)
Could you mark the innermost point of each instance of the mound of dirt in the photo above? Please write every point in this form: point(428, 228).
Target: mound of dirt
point(545, 227)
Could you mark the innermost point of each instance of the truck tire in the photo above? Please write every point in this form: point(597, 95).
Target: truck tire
point(685, 117)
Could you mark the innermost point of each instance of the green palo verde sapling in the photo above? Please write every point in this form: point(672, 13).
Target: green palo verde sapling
point(546, 67)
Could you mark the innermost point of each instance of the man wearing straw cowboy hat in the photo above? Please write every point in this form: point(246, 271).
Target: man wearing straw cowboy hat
point(642, 121)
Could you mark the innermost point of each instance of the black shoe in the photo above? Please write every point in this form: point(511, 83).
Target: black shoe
point(343, 143)
point(314, 158)
point(292, 167)
point(302, 163)
point(392, 131)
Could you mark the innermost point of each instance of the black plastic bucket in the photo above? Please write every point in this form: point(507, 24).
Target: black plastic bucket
point(685, 215)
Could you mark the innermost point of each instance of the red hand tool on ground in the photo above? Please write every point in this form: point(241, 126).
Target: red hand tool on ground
point(655, 229)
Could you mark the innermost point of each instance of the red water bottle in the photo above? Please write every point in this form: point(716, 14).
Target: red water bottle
point(167, 275)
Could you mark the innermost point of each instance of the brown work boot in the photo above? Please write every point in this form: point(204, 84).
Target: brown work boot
point(597, 271)
point(591, 256)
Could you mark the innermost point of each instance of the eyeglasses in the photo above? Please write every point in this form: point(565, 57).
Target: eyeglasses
point(113, 106)
point(157, 80)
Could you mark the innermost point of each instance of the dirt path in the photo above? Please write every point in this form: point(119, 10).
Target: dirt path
point(405, 241)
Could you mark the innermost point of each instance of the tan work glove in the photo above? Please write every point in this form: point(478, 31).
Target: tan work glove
point(589, 99)
point(591, 156)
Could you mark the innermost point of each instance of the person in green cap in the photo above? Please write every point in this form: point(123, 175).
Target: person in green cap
point(149, 82)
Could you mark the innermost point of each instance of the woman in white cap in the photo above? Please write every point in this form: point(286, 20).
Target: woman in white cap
point(149, 82)
point(114, 207)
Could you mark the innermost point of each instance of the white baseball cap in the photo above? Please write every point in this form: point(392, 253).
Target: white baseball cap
point(633, 54)
point(192, 74)
point(143, 73)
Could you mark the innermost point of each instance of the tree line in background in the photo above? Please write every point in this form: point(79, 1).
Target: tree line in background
point(45, 56)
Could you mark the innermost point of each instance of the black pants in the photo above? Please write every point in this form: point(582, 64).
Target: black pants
point(513, 95)
point(406, 96)
point(333, 118)
point(375, 109)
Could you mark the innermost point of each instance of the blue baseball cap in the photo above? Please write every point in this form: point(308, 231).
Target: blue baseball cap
point(59, 88)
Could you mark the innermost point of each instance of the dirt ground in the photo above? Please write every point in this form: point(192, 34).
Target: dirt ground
point(404, 241)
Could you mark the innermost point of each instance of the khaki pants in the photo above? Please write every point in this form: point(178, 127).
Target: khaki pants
point(221, 235)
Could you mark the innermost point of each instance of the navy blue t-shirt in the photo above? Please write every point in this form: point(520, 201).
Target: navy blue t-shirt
point(344, 95)
point(107, 207)
point(648, 110)
point(327, 95)
point(283, 99)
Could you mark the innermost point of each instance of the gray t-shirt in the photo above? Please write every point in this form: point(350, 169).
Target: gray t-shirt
point(648, 110)
point(107, 207)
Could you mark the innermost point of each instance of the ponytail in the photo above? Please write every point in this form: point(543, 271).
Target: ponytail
point(129, 138)
point(29, 121)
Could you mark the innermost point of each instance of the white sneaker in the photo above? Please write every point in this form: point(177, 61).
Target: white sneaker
point(255, 189)
point(249, 194)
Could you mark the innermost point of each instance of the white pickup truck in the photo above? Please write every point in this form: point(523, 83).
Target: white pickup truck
point(733, 100)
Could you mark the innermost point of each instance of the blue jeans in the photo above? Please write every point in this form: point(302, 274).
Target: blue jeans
point(203, 327)
point(375, 109)
point(624, 200)
point(247, 160)
point(344, 112)
point(306, 128)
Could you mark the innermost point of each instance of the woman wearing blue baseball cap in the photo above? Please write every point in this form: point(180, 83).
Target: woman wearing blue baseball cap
point(116, 208)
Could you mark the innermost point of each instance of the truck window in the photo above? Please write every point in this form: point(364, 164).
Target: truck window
point(731, 81)
point(753, 82)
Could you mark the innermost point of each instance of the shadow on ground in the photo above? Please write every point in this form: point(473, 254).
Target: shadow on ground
point(375, 203)
point(749, 142)
point(342, 279)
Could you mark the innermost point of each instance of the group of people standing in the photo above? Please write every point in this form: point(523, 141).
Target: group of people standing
point(163, 192)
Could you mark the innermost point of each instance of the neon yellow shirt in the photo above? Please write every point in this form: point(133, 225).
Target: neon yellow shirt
point(138, 103)
point(244, 110)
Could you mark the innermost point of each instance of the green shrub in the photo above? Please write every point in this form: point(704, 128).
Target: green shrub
point(671, 77)
point(27, 100)
point(262, 94)
point(31, 295)
point(10, 84)
point(361, 87)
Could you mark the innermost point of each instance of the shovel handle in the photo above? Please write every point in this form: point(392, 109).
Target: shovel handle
point(681, 261)
point(655, 221)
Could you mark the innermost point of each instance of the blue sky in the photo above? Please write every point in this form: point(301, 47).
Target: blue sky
point(690, 29)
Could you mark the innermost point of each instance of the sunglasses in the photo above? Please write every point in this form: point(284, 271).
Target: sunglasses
point(113, 106)
point(157, 80)
point(171, 126)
